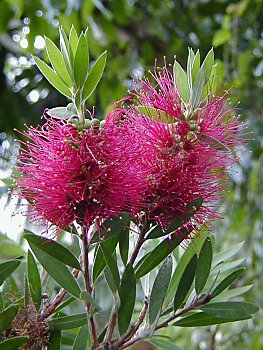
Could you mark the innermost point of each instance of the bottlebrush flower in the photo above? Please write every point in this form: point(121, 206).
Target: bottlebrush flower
point(69, 175)
point(186, 154)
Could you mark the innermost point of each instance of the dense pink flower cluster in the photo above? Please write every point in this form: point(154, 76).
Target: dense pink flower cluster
point(154, 155)
point(69, 175)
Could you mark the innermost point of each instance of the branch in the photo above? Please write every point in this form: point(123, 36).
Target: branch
point(140, 241)
point(112, 320)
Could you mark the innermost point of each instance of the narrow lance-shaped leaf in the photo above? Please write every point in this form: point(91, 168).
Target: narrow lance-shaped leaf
point(94, 75)
point(112, 264)
point(69, 322)
point(54, 249)
point(226, 282)
point(198, 88)
point(81, 340)
point(163, 343)
point(230, 309)
point(200, 319)
point(58, 271)
point(54, 340)
point(181, 82)
point(208, 64)
point(226, 254)
point(73, 44)
point(34, 280)
point(87, 297)
point(7, 316)
point(57, 61)
point(157, 255)
point(196, 66)
point(52, 77)
point(81, 61)
point(185, 282)
point(159, 289)
point(12, 343)
point(6, 268)
point(203, 265)
point(124, 245)
point(127, 294)
point(64, 46)
point(190, 61)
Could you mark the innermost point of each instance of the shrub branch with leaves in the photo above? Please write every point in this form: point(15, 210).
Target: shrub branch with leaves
point(130, 189)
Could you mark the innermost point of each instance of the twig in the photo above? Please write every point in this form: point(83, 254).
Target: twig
point(85, 259)
point(212, 341)
point(139, 242)
point(112, 320)
point(51, 307)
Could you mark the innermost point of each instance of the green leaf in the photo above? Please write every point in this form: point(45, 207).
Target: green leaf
point(110, 280)
point(81, 62)
point(8, 248)
point(181, 83)
point(162, 343)
point(7, 316)
point(157, 231)
point(124, 245)
point(190, 61)
point(81, 340)
point(159, 289)
point(226, 266)
point(112, 227)
point(208, 64)
point(34, 280)
point(157, 255)
point(226, 254)
point(12, 343)
point(233, 292)
point(127, 294)
point(196, 66)
point(57, 61)
point(230, 309)
point(69, 322)
point(64, 47)
point(94, 75)
point(156, 114)
point(221, 37)
point(52, 77)
point(60, 113)
point(87, 297)
point(54, 340)
point(6, 268)
point(198, 87)
point(73, 44)
point(112, 264)
point(57, 270)
point(100, 262)
point(54, 249)
point(65, 303)
point(203, 265)
point(185, 282)
point(226, 282)
point(199, 319)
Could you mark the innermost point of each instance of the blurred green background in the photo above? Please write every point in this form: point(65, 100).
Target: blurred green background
point(135, 33)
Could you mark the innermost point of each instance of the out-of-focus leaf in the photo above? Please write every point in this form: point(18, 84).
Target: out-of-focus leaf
point(162, 343)
point(230, 309)
point(69, 322)
point(124, 245)
point(112, 264)
point(226, 282)
point(226, 266)
point(7, 316)
point(203, 319)
point(53, 248)
point(6, 268)
point(203, 265)
point(231, 293)
point(81, 340)
point(8, 247)
point(185, 282)
point(57, 61)
point(81, 62)
point(127, 294)
point(159, 289)
point(57, 270)
point(60, 112)
point(157, 255)
point(34, 280)
point(181, 83)
point(12, 343)
point(52, 77)
point(156, 114)
point(226, 254)
point(100, 262)
point(94, 75)
point(54, 340)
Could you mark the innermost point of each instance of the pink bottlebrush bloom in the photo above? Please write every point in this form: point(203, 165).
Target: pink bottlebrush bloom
point(185, 158)
point(69, 175)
